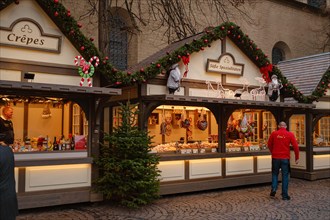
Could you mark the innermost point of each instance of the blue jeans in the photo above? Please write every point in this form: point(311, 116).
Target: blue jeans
point(284, 165)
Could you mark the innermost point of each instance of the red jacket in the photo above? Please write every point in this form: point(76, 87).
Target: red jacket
point(279, 144)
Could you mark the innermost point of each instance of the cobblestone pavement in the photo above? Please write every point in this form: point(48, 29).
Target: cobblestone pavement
point(310, 200)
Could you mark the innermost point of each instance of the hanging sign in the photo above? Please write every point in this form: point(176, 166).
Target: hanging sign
point(27, 33)
point(226, 65)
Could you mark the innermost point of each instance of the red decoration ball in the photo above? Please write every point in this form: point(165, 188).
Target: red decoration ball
point(222, 28)
point(202, 48)
point(106, 58)
point(56, 14)
point(232, 27)
point(71, 32)
point(257, 57)
point(55, 1)
point(179, 56)
point(79, 25)
point(239, 36)
point(104, 62)
point(228, 32)
point(129, 73)
point(158, 65)
point(205, 41)
point(82, 48)
point(322, 83)
point(91, 39)
point(118, 83)
point(141, 70)
point(68, 14)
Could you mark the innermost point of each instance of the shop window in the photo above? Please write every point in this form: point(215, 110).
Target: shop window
point(269, 124)
point(297, 126)
point(246, 131)
point(117, 119)
point(79, 121)
point(321, 136)
point(183, 129)
point(85, 123)
point(76, 119)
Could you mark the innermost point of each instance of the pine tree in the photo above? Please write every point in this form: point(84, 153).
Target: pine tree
point(128, 171)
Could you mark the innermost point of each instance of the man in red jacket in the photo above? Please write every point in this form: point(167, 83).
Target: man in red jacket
point(279, 146)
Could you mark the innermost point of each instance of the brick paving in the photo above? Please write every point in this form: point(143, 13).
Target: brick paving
point(310, 200)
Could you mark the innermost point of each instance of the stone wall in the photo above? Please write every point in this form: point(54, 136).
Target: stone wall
point(269, 22)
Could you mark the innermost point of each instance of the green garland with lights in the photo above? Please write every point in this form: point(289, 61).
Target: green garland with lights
point(71, 29)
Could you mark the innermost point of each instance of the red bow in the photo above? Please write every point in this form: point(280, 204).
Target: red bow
point(265, 72)
point(185, 60)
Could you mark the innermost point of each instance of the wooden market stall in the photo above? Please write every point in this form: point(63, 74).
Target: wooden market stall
point(224, 87)
point(56, 120)
point(313, 127)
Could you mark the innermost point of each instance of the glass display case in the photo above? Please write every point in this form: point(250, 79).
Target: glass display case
point(249, 130)
point(192, 129)
point(183, 129)
point(43, 124)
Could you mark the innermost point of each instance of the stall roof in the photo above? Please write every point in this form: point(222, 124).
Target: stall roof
point(161, 53)
point(11, 87)
point(249, 103)
point(306, 72)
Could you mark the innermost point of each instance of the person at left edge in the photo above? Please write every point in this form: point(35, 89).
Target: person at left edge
point(8, 197)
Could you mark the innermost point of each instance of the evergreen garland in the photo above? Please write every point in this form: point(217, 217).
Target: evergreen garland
point(128, 171)
point(69, 26)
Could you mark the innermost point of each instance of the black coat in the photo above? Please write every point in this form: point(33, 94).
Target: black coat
point(6, 131)
point(8, 198)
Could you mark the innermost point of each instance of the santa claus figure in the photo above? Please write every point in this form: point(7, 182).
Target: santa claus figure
point(274, 88)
